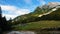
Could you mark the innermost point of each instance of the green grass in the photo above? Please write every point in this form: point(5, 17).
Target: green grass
point(38, 25)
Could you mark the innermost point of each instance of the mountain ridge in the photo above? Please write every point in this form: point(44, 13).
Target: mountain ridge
point(48, 14)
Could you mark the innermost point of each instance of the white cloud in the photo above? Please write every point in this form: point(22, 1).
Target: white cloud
point(13, 11)
point(8, 16)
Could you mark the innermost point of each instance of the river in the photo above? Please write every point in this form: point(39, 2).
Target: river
point(32, 32)
point(21, 32)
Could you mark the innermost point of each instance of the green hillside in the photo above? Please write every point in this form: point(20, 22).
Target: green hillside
point(55, 15)
point(31, 21)
point(38, 25)
point(31, 17)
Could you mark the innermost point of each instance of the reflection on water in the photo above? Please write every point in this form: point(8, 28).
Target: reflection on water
point(21, 32)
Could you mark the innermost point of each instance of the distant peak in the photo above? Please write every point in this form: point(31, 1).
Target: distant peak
point(53, 4)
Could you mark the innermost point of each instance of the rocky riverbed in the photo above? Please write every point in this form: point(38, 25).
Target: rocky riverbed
point(21, 32)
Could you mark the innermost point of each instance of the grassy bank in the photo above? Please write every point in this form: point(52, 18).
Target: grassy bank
point(38, 25)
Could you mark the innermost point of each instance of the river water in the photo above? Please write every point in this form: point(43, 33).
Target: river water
point(21, 32)
point(32, 32)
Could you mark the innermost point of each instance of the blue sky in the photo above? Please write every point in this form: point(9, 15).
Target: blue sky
point(13, 8)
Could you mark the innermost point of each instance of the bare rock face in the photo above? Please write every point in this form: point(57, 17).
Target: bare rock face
point(53, 4)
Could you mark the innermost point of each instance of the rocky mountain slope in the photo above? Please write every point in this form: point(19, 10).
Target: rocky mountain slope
point(46, 12)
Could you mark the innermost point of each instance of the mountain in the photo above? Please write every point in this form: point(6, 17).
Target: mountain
point(52, 15)
point(51, 11)
point(53, 4)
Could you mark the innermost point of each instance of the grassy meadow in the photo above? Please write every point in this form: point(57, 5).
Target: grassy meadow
point(38, 25)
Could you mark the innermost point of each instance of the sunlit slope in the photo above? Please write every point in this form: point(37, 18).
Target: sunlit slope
point(40, 13)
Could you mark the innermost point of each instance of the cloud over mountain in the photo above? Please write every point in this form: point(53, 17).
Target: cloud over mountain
point(13, 11)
